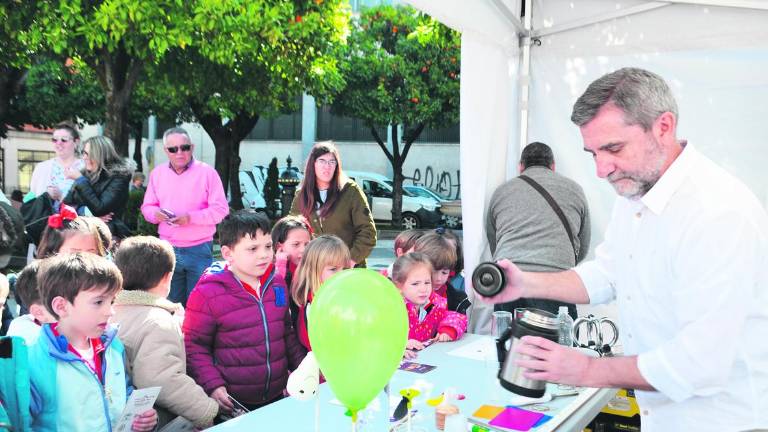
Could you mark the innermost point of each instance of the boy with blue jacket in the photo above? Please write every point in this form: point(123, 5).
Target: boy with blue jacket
point(78, 380)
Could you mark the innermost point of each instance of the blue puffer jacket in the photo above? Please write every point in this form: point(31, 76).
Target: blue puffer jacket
point(67, 395)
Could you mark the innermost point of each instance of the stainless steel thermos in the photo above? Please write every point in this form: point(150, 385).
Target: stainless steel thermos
point(533, 322)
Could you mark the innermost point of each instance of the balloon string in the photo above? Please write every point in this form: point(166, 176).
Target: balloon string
point(317, 414)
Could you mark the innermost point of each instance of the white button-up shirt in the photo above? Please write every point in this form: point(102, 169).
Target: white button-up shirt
point(688, 267)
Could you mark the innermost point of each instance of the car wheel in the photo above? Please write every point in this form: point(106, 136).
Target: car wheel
point(411, 221)
point(452, 222)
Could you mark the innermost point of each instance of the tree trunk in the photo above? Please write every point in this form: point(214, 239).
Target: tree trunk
point(226, 139)
point(236, 196)
point(397, 188)
point(118, 74)
point(116, 126)
point(137, 146)
point(11, 83)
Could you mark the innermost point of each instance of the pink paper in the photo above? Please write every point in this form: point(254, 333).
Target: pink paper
point(516, 419)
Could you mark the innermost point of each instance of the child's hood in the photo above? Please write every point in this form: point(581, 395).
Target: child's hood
point(58, 345)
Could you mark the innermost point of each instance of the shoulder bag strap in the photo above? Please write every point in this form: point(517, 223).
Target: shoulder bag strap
point(557, 210)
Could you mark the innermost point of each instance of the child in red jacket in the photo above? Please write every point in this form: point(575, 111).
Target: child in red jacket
point(428, 316)
point(324, 257)
point(237, 330)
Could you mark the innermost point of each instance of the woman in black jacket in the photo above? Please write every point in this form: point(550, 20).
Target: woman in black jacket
point(103, 186)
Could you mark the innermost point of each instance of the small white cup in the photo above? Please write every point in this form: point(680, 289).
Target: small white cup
point(589, 352)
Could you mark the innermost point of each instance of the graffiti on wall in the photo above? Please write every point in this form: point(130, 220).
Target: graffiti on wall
point(443, 183)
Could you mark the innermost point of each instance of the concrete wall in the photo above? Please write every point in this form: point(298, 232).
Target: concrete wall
point(37, 141)
point(435, 165)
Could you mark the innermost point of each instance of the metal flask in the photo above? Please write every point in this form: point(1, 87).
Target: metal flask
point(533, 322)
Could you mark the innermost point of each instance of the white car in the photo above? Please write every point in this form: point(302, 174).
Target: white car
point(451, 209)
point(417, 212)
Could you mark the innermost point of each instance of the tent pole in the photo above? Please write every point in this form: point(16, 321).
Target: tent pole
point(525, 77)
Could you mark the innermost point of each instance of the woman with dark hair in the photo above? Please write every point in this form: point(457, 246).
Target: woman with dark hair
point(102, 187)
point(334, 204)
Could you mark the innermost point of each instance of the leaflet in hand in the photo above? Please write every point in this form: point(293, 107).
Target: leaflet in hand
point(141, 401)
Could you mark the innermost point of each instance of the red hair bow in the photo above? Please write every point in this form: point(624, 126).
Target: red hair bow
point(66, 213)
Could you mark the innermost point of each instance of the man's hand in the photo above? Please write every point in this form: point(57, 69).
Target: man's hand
point(550, 361)
point(514, 288)
point(180, 220)
point(221, 396)
point(107, 217)
point(160, 216)
point(145, 422)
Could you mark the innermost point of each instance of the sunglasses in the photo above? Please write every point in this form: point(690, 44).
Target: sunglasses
point(183, 147)
point(61, 140)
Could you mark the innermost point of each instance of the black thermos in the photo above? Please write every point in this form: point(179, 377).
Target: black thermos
point(488, 279)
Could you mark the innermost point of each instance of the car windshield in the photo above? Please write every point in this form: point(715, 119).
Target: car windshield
point(424, 192)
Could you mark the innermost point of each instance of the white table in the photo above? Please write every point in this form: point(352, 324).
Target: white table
point(472, 377)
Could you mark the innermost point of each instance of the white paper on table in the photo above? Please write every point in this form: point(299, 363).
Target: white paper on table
point(179, 424)
point(140, 401)
point(480, 349)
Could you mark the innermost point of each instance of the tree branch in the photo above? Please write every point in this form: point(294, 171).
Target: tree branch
point(411, 138)
point(382, 145)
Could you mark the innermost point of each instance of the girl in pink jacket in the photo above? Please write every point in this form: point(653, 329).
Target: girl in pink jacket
point(428, 314)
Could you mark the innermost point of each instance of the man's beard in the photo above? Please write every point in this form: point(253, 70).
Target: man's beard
point(641, 181)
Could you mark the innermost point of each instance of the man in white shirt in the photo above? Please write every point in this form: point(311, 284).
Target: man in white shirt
point(686, 258)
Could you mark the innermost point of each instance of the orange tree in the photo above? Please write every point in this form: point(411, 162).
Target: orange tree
point(401, 68)
point(279, 49)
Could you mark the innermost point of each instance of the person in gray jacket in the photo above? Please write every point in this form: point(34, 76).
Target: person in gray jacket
point(523, 228)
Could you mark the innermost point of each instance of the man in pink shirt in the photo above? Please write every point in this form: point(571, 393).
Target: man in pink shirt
point(186, 199)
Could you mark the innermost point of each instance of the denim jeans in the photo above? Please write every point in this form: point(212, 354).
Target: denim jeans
point(190, 264)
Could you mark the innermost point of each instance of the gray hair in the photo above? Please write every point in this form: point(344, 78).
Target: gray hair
point(641, 94)
point(176, 131)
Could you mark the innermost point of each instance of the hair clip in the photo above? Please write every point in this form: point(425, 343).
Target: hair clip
point(66, 213)
point(440, 230)
point(307, 225)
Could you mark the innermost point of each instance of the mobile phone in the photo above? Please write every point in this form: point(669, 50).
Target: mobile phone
point(168, 213)
point(238, 405)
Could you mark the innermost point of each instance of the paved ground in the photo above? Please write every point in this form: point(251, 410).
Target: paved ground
point(383, 254)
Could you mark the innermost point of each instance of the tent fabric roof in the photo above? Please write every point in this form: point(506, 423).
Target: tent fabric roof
point(714, 56)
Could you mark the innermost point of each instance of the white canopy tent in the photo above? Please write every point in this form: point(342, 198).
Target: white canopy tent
point(521, 76)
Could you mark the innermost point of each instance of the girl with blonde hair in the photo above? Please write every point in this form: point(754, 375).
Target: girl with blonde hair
point(323, 257)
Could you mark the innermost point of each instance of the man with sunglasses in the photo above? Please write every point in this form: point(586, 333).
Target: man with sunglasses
point(185, 197)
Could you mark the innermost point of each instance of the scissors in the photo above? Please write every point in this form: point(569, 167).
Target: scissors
point(595, 330)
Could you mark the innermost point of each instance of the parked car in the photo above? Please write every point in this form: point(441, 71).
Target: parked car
point(451, 209)
point(252, 186)
point(417, 212)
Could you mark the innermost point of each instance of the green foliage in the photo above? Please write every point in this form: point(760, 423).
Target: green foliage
point(272, 188)
point(401, 67)
point(16, 17)
point(254, 58)
point(145, 29)
point(133, 216)
point(57, 91)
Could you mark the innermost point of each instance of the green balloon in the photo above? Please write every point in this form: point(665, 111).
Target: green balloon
point(358, 329)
